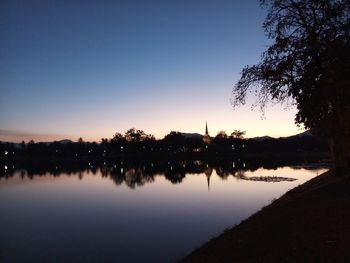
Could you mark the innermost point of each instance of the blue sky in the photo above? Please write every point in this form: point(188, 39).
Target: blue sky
point(92, 68)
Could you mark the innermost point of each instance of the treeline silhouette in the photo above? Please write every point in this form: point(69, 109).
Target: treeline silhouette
point(136, 173)
point(136, 143)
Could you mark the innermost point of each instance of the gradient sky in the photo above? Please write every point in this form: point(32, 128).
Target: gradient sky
point(92, 68)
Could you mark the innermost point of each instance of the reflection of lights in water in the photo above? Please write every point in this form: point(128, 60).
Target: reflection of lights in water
point(104, 151)
point(5, 167)
point(243, 164)
point(233, 147)
point(6, 152)
point(104, 163)
point(151, 164)
point(56, 151)
point(121, 170)
point(89, 164)
point(233, 164)
point(13, 167)
point(243, 146)
point(171, 168)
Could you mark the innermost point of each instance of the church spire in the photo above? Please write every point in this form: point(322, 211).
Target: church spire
point(206, 137)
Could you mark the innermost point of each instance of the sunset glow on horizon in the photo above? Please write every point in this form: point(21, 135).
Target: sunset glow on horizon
point(89, 70)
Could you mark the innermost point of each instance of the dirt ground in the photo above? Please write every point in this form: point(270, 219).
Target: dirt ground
point(310, 223)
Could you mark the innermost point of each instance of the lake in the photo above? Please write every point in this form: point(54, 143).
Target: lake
point(125, 212)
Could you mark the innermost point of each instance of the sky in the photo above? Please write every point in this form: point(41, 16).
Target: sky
point(71, 69)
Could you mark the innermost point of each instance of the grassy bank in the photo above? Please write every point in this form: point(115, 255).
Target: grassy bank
point(310, 223)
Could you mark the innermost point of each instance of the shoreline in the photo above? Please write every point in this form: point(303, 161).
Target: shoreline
point(309, 223)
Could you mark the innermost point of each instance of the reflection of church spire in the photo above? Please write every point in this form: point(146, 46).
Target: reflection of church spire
point(206, 128)
point(208, 173)
point(208, 179)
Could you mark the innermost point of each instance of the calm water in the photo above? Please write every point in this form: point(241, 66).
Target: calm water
point(129, 214)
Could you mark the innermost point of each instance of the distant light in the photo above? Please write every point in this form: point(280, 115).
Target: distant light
point(89, 151)
point(5, 167)
point(243, 164)
point(89, 164)
point(151, 164)
point(233, 147)
point(104, 163)
point(13, 153)
point(6, 152)
point(233, 164)
point(56, 150)
point(121, 170)
point(243, 146)
point(104, 151)
point(76, 154)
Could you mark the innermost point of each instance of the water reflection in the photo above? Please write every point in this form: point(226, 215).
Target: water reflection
point(127, 211)
point(140, 173)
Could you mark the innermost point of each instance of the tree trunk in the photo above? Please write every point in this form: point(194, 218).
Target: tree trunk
point(340, 151)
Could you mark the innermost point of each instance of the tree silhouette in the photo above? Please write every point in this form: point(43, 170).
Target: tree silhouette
point(117, 137)
point(133, 135)
point(238, 134)
point(221, 134)
point(309, 63)
point(174, 138)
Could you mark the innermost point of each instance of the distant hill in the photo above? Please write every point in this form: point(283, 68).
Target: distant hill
point(263, 138)
point(192, 135)
point(65, 141)
point(302, 134)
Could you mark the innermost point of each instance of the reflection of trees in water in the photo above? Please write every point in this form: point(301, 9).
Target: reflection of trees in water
point(136, 174)
point(239, 174)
